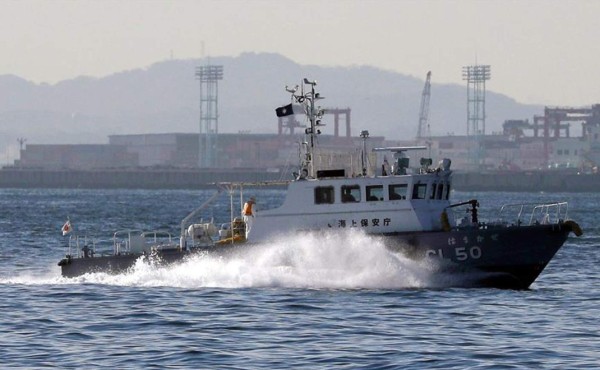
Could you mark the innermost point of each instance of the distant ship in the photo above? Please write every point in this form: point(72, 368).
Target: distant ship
point(409, 211)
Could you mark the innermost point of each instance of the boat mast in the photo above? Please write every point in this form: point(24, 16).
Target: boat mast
point(314, 114)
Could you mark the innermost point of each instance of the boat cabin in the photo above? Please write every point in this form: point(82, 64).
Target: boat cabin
point(349, 192)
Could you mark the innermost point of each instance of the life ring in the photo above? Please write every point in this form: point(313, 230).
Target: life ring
point(574, 226)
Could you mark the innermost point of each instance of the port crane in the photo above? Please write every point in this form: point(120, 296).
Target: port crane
point(424, 131)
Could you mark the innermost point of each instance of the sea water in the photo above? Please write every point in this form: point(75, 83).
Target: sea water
point(307, 301)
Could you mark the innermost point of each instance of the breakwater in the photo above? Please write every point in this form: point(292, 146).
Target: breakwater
point(129, 179)
point(11, 177)
point(546, 181)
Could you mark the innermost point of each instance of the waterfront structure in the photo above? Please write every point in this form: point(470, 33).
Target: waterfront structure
point(180, 150)
point(546, 142)
point(209, 77)
point(476, 75)
point(78, 156)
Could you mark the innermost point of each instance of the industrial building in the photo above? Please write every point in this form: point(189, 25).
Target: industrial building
point(179, 150)
point(543, 143)
point(77, 156)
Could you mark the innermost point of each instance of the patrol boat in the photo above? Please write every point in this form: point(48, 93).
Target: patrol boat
point(408, 209)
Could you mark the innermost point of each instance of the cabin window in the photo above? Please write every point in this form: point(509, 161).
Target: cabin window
point(374, 193)
point(350, 193)
point(433, 189)
point(419, 191)
point(447, 191)
point(440, 190)
point(324, 195)
point(398, 191)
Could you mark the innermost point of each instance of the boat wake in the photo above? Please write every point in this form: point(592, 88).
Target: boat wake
point(307, 261)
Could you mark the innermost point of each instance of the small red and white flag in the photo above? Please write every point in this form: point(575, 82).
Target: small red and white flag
point(67, 228)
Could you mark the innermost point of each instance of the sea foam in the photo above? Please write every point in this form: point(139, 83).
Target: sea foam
point(314, 260)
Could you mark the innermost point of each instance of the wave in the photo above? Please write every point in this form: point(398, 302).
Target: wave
point(308, 261)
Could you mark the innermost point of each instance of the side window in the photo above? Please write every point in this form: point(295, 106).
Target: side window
point(350, 193)
point(374, 193)
point(440, 190)
point(398, 191)
point(447, 191)
point(324, 195)
point(419, 191)
point(433, 189)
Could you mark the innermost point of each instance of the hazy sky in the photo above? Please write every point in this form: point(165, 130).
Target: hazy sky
point(545, 52)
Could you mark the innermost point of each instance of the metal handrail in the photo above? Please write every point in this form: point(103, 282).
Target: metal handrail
point(123, 244)
point(74, 243)
point(158, 233)
point(548, 212)
point(184, 222)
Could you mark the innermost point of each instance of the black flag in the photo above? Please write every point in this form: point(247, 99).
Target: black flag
point(286, 110)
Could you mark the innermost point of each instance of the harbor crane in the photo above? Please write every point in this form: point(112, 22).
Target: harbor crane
point(424, 130)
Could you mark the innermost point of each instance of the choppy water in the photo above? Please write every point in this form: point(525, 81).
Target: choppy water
point(296, 303)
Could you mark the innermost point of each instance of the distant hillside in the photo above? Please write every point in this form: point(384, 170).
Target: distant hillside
point(165, 97)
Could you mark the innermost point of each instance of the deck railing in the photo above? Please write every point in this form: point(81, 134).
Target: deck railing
point(81, 244)
point(534, 213)
point(126, 241)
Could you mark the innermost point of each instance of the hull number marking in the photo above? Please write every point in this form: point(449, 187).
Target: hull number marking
point(460, 253)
